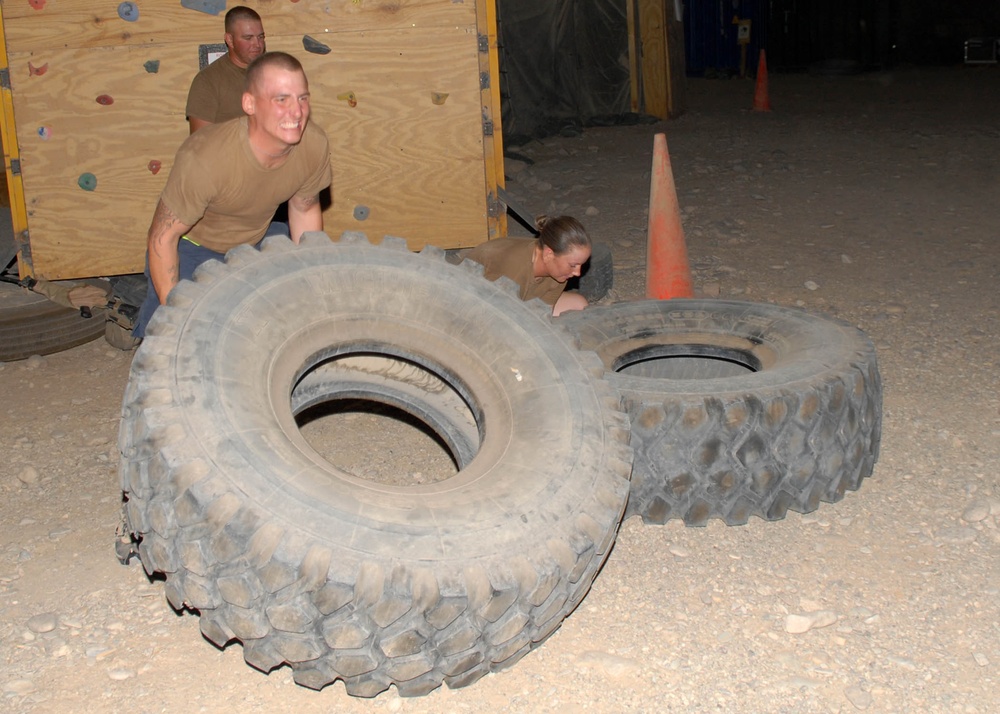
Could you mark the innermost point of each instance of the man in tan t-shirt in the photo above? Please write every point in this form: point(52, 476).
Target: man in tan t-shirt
point(216, 93)
point(228, 178)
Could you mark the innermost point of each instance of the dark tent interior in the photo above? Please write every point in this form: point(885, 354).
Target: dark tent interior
point(565, 64)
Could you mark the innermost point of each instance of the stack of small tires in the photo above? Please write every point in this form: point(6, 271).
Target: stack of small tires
point(731, 410)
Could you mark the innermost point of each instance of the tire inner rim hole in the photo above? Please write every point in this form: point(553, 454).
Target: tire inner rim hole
point(377, 442)
point(686, 362)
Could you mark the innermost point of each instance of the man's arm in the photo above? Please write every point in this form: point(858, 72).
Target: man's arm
point(304, 214)
point(194, 124)
point(161, 242)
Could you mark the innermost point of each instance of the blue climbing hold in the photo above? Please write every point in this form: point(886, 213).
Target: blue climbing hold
point(152, 66)
point(211, 7)
point(128, 11)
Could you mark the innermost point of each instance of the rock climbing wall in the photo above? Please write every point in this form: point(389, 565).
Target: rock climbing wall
point(98, 89)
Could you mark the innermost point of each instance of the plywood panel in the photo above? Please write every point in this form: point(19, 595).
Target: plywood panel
point(76, 24)
point(416, 165)
point(77, 232)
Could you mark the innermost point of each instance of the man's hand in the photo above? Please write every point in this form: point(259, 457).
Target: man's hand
point(161, 243)
point(304, 214)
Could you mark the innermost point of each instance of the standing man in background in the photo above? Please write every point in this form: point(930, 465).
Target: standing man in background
point(216, 94)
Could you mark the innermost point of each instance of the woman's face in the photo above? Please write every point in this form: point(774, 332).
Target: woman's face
point(566, 265)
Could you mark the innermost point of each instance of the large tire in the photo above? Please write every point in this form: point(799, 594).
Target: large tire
point(339, 577)
point(737, 408)
point(31, 324)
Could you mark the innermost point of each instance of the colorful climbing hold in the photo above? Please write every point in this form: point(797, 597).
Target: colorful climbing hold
point(87, 181)
point(349, 97)
point(128, 11)
point(439, 98)
point(361, 212)
point(44, 132)
point(37, 4)
point(154, 166)
point(314, 46)
point(34, 71)
point(105, 100)
point(151, 66)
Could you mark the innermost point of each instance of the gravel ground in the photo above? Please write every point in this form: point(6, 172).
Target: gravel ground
point(872, 198)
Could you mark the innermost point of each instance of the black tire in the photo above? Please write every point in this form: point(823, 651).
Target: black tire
point(598, 276)
point(31, 324)
point(339, 577)
point(737, 408)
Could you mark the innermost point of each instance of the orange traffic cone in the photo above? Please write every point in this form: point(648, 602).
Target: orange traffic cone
point(761, 102)
point(667, 272)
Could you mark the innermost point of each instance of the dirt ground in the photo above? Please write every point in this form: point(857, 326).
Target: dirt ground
point(873, 198)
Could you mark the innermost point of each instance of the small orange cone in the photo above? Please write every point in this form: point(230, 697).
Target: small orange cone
point(667, 272)
point(761, 102)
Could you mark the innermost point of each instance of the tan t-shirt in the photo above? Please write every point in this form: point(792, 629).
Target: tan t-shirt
point(216, 93)
point(218, 186)
point(511, 257)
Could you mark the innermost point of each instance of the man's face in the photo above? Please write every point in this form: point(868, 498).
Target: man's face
point(278, 107)
point(565, 266)
point(245, 42)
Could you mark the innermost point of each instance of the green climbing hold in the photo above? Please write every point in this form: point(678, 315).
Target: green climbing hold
point(87, 181)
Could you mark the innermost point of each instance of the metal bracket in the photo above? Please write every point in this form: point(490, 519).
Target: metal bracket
point(484, 80)
point(15, 167)
point(24, 248)
point(487, 127)
point(517, 210)
point(5, 78)
point(484, 43)
point(494, 206)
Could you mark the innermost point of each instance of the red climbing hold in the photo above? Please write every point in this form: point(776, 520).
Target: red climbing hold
point(34, 71)
point(37, 4)
point(154, 166)
point(105, 100)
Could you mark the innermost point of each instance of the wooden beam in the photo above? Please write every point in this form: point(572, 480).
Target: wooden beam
point(653, 38)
